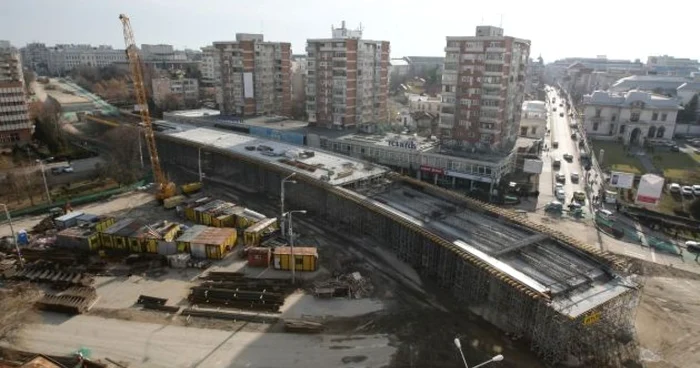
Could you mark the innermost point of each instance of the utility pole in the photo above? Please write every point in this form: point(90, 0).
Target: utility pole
point(14, 237)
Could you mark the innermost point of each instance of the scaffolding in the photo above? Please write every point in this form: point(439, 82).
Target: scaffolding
point(602, 336)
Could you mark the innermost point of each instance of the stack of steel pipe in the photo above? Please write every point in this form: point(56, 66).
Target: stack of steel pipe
point(73, 300)
point(237, 298)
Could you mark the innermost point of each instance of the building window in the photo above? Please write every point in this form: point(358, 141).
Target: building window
point(613, 118)
point(664, 116)
point(595, 127)
point(634, 117)
point(660, 132)
point(652, 132)
point(523, 130)
point(654, 116)
point(622, 129)
point(598, 111)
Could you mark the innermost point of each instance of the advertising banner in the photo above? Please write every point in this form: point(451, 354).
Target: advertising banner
point(621, 179)
point(432, 170)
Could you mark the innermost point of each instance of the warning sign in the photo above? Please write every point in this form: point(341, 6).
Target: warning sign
point(591, 318)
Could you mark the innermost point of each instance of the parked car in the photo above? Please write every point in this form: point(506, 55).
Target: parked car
point(687, 190)
point(555, 144)
point(561, 114)
point(574, 136)
point(560, 178)
point(67, 169)
point(568, 157)
point(675, 149)
point(574, 177)
point(674, 188)
point(580, 196)
point(558, 186)
point(554, 109)
point(696, 190)
point(56, 170)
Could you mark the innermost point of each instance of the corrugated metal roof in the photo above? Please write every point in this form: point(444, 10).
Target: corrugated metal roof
point(298, 251)
point(118, 226)
point(200, 234)
point(69, 216)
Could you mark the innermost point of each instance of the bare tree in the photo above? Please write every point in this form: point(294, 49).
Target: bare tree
point(124, 154)
point(171, 102)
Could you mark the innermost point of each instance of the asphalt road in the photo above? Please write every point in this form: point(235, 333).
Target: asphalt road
point(155, 345)
point(82, 169)
point(561, 132)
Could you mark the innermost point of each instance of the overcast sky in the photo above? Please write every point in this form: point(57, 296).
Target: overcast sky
point(617, 28)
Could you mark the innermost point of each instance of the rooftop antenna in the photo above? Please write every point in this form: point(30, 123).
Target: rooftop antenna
point(501, 24)
point(261, 27)
point(482, 19)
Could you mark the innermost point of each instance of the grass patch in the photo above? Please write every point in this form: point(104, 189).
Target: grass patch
point(616, 159)
point(677, 166)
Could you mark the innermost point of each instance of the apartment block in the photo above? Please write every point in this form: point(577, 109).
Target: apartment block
point(255, 76)
point(35, 56)
point(15, 125)
point(483, 87)
point(210, 66)
point(186, 89)
point(347, 80)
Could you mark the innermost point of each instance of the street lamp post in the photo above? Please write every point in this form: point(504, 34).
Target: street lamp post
point(46, 185)
point(284, 181)
point(458, 344)
point(14, 237)
point(291, 241)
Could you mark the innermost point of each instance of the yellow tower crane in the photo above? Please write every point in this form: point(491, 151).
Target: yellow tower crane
point(166, 188)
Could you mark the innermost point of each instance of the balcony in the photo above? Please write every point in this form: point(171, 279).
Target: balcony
point(452, 49)
point(494, 61)
point(495, 49)
point(491, 85)
point(485, 119)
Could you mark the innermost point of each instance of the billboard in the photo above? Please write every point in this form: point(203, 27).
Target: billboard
point(248, 85)
point(532, 166)
point(621, 179)
point(649, 190)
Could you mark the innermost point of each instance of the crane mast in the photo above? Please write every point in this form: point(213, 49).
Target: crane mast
point(166, 189)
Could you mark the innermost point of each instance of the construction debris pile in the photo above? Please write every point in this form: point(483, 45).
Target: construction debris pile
point(50, 272)
point(351, 285)
point(74, 300)
point(151, 302)
point(234, 290)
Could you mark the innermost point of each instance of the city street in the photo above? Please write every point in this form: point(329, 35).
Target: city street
point(561, 133)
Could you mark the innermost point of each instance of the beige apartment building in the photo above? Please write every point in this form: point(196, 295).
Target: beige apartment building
point(483, 87)
point(15, 125)
point(255, 76)
point(347, 80)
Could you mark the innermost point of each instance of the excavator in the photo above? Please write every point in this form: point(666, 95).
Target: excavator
point(165, 188)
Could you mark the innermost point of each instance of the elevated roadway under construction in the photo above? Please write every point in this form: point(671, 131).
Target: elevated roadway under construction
point(567, 299)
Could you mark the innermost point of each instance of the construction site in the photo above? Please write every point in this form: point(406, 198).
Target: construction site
point(568, 300)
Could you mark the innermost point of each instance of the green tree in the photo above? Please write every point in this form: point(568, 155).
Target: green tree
point(123, 165)
point(47, 127)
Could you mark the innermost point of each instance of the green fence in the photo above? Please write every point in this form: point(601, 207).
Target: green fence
point(43, 208)
point(632, 234)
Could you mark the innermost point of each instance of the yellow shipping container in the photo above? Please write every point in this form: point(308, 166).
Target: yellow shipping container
point(306, 258)
point(254, 234)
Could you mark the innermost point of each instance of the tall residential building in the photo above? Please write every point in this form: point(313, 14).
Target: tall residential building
point(210, 66)
point(15, 125)
point(35, 56)
point(483, 85)
point(347, 80)
point(185, 89)
point(255, 76)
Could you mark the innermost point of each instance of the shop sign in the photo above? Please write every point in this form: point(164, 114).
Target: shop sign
point(403, 144)
point(432, 170)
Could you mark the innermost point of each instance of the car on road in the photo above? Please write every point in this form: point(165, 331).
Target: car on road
point(554, 109)
point(68, 169)
point(675, 149)
point(56, 170)
point(605, 214)
point(568, 157)
point(692, 246)
point(561, 105)
point(687, 190)
point(574, 177)
point(674, 188)
point(560, 194)
point(555, 144)
point(556, 164)
point(561, 178)
point(696, 190)
point(558, 186)
point(574, 136)
point(561, 114)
